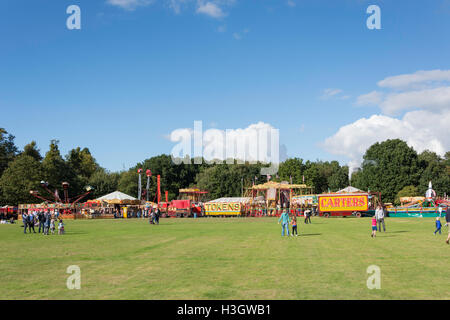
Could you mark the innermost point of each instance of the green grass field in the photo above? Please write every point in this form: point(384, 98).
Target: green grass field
point(234, 258)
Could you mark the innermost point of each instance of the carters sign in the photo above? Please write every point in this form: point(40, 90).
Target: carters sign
point(333, 203)
point(222, 208)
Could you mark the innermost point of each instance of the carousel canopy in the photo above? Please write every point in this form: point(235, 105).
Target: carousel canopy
point(350, 189)
point(278, 185)
point(233, 199)
point(117, 197)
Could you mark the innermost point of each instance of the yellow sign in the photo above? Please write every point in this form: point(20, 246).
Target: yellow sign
point(125, 212)
point(343, 203)
point(222, 208)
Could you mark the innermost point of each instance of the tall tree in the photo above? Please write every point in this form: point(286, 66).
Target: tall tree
point(22, 175)
point(57, 171)
point(104, 182)
point(8, 149)
point(388, 167)
point(339, 178)
point(128, 183)
point(32, 151)
point(82, 162)
point(292, 168)
point(437, 173)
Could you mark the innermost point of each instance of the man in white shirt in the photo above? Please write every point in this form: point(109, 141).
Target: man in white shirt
point(379, 215)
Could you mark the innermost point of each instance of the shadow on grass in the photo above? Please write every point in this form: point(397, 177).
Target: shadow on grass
point(401, 231)
point(310, 234)
point(69, 233)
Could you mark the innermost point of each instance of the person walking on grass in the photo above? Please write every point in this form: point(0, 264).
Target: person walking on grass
point(157, 214)
point(438, 226)
point(379, 216)
point(284, 218)
point(52, 226)
point(308, 215)
point(48, 217)
point(294, 225)
point(25, 222)
point(374, 227)
point(31, 222)
point(60, 227)
point(151, 216)
point(447, 217)
point(41, 220)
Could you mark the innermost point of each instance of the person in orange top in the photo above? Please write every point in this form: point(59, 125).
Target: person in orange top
point(294, 225)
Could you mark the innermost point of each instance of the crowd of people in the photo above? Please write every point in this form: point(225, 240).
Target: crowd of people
point(45, 220)
point(152, 213)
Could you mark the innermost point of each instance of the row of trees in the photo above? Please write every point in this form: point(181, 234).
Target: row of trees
point(390, 167)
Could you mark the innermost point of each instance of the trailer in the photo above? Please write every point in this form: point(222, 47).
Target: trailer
point(356, 204)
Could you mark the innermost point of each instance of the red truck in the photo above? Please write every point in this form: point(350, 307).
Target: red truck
point(188, 205)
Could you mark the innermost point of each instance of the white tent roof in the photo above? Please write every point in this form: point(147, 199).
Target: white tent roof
point(236, 199)
point(116, 195)
point(349, 189)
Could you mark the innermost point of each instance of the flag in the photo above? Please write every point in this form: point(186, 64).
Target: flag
point(303, 179)
point(290, 179)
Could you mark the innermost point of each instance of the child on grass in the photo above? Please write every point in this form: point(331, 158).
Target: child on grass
point(52, 226)
point(60, 227)
point(374, 227)
point(294, 225)
point(438, 226)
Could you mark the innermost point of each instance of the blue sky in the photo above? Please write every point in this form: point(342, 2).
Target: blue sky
point(138, 70)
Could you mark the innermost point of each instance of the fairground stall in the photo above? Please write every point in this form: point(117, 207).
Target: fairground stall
point(301, 203)
point(226, 207)
point(278, 195)
point(119, 205)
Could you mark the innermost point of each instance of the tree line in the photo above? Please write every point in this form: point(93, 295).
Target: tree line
point(390, 167)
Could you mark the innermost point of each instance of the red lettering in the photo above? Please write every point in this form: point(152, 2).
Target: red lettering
point(330, 202)
point(336, 202)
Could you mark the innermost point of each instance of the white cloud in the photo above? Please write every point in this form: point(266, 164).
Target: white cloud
point(405, 81)
point(371, 98)
point(222, 29)
point(424, 125)
point(433, 99)
point(420, 129)
point(129, 4)
point(239, 35)
point(210, 9)
point(291, 3)
point(175, 5)
point(331, 92)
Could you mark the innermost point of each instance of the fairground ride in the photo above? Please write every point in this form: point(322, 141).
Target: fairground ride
point(70, 202)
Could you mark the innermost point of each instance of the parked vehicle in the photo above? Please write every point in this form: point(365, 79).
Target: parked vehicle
point(356, 204)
